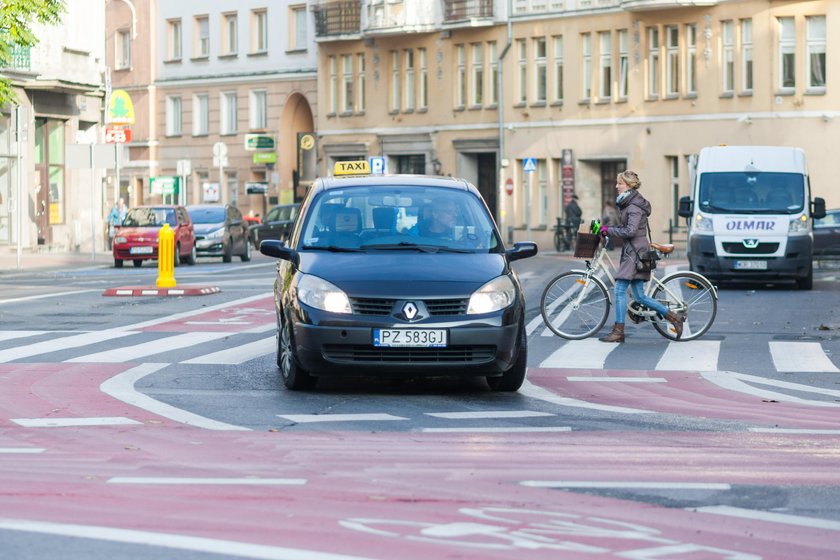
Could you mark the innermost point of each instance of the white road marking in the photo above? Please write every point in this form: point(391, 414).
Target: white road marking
point(22, 450)
point(800, 356)
point(62, 343)
point(802, 431)
point(66, 422)
point(733, 381)
point(194, 312)
point(530, 390)
point(207, 481)
point(121, 387)
point(692, 355)
point(167, 540)
point(11, 335)
point(489, 414)
point(783, 518)
point(306, 418)
point(601, 379)
point(580, 354)
point(788, 385)
point(44, 296)
point(133, 353)
point(609, 484)
point(498, 430)
point(237, 354)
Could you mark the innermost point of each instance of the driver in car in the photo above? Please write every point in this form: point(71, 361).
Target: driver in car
point(441, 225)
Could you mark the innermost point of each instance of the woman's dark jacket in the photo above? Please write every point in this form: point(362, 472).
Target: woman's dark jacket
point(633, 218)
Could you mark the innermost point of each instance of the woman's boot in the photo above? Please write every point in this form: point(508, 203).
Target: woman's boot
point(616, 335)
point(677, 322)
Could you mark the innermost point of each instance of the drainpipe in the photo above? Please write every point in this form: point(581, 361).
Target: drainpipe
point(500, 201)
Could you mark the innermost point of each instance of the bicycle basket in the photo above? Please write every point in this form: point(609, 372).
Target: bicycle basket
point(586, 245)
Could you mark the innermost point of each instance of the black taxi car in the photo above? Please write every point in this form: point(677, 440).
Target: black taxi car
point(398, 275)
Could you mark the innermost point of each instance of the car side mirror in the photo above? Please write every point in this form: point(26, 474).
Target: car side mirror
point(686, 207)
point(278, 250)
point(521, 250)
point(818, 208)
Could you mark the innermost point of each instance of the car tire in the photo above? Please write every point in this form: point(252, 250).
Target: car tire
point(177, 259)
point(294, 377)
point(137, 263)
point(246, 256)
point(512, 379)
point(118, 263)
point(228, 254)
point(191, 259)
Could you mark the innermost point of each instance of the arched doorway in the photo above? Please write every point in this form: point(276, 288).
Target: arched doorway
point(297, 149)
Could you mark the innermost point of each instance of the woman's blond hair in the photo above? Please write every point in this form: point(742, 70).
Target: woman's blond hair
point(630, 178)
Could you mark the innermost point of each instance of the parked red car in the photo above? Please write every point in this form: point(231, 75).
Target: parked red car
point(136, 238)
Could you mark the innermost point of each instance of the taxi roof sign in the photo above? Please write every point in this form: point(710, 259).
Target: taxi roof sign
point(345, 168)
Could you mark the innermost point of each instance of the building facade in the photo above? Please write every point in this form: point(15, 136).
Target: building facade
point(534, 101)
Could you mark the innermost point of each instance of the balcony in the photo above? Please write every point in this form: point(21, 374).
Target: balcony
point(407, 16)
point(20, 58)
point(335, 19)
point(644, 5)
point(455, 11)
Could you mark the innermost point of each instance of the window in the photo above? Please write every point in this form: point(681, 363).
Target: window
point(558, 69)
point(259, 31)
point(297, 35)
point(460, 76)
point(540, 70)
point(586, 80)
point(410, 87)
point(423, 102)
point(787, 53)
point(173, 116)
point(492, 55)
point(672, 65)
point(728, 54)
point(691, 59)
point(122, 55)
point(360, 91)
point(477, 74)
point(746, 56)
point(605, 44)
point(173, 39)
point(542, 185)
point(347, 83)
point(623, 64)
point(815, 58)
point(674, 167)
point(332, 88)
point(202, 37)
point(395, 81)
point(228, 113)
point(201, 115)
point(230, 37)
point(258, 109)
point(653, 62)
point(522, 85)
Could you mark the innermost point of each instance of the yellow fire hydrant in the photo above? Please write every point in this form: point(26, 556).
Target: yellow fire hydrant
point(166, 258)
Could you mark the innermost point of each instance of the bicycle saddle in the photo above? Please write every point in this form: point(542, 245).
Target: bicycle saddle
point(663, 248)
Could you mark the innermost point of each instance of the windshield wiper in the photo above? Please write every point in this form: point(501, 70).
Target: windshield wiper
point(401, 246)
point(331, 248)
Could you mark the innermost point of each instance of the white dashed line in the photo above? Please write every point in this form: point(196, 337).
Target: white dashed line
point(619, 485)
point(783, 518)
point(22, 450)
point(498, 430)
point(603, 379)
point(207, 481)
point(489, 414)
point(307, 418)
point(66, 422)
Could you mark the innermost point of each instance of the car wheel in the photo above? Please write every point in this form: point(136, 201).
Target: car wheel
point(192, 257)
point(246, 256)
point(228, 254)
point(118, 263)
point(177, 259)
point(294, 376)
point(512, 379)
point(806, 283)
point(137, 263)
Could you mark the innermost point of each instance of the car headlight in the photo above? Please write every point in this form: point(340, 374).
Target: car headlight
point(320, 294)
point(703, 224)
point(492, 296)
point(799, 225)
point(120, 239)
point(216, 233)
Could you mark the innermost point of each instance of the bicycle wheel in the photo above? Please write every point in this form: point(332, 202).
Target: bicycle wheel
point(558, 241)
point(691, 294)
point(575, 307)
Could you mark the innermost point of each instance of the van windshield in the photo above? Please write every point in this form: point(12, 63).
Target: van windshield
point(752, 193)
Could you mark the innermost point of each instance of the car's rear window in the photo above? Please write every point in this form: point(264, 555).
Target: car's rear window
point(150, 217)
point(207, 215)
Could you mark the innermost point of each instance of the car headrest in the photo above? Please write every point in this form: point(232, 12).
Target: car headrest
point(348, 220)
point(385, 217)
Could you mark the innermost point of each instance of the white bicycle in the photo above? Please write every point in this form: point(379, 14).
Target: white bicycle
point(576, 304)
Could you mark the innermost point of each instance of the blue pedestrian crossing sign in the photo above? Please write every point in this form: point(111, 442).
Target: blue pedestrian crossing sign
point(529, 164)
point(377, 165)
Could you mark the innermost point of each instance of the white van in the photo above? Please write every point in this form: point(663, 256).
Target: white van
point(750, 214)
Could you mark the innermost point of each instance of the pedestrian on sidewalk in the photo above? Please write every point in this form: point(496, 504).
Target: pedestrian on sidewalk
point(115, 218)
point(573, 214)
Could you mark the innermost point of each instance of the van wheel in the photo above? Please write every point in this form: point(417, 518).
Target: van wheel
point(806, 283)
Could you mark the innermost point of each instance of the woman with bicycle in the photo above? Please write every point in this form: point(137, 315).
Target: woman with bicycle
point(632, 227)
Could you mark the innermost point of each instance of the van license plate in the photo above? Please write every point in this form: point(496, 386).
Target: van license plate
point(418, 338)
point(750, 265)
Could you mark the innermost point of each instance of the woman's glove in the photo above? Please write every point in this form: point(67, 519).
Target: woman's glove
point(604, 231)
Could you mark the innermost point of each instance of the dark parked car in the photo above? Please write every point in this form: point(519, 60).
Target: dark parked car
point(827, 235)
point(398, 275)
point(276, 224)
point(136, 239)
point(220, 231)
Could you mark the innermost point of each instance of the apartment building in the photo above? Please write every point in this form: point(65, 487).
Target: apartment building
point(535, 100)
point(44, 201)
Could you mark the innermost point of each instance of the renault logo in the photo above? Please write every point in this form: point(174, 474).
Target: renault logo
point(409, 310)
point(750, 243)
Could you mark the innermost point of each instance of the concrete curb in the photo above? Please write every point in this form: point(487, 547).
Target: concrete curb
point(128, 291)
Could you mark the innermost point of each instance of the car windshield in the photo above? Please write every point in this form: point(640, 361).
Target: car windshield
point(150, 217)
point(207, 215)
point(752, 193)
point(832, 219)
point(399, 218)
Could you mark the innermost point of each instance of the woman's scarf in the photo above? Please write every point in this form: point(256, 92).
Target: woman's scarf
point(623, 196)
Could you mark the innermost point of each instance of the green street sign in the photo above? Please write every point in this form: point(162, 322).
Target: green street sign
point(265, 157)
point(259, 142)
point(164, 185)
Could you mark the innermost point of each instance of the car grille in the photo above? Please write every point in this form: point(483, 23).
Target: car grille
point(760, 249)
point(373, 355)
point(376, 306)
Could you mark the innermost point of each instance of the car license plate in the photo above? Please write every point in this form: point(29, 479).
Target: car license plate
point(419, 338)
point(140, 250)
point(750, 265)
